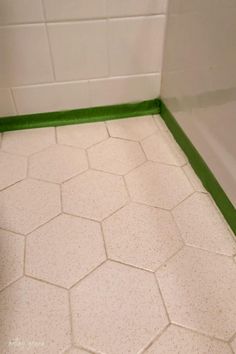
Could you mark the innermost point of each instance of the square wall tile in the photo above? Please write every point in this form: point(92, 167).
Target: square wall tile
point(23, 11)
point(6, 103)
point(124, 89)
point(74, 9)
point(135, 7)
point(136, 45)
point(51, 97)
point(25, 55)
point(79, 49)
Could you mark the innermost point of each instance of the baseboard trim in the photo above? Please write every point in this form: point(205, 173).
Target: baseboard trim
point(78, 116)
point(200, 167)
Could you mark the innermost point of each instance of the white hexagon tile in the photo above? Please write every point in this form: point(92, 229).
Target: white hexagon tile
point(202, 226)
point(34, 318)
point(82, 135)
point(132, 128)
point(142, 236)
point(160, 147)
point(57, 163)
point(26, 142)
point(199, 290)
point(116, 156)
point(28, 204)
point(64, 250)
point(94, 195)
point(108, 244)
point(158, 185)
point(117, 309)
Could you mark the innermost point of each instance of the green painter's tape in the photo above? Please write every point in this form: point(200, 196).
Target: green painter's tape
point(200, 167)
point(77, 116)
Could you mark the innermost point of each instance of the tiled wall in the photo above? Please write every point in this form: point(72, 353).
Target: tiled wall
point(65, 54)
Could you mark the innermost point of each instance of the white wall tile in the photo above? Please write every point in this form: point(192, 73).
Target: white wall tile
point(24, 55)
point(74, 9)
point(136, 44)
point(135, 7)
point(79, 49)
point(6, 103)
point(126, 89)
point(20, 11)
point(52, 97)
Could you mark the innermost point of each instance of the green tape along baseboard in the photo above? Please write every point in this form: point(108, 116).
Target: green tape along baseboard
point(155, 106)
point(200, 167)
point(78, 116)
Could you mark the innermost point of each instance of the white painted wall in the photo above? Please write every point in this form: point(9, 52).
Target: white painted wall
point(66, 54)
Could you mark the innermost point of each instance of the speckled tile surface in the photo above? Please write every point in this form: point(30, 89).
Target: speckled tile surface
point(109, 244)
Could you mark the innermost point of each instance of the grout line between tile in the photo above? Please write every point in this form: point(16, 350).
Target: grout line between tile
point(108, 216)
point(162, 298)
point(189, 196)
point(48, 41)
point(130, 265)
point(169, 259)
point(155, 339)
point(87, 275)
point(149, 205)
point(39, 226)
point(72, 334)
point(45, 281)
point(104, 240)
point(24, 256)
point(11, 283)
point(208, 250)
point(108, 131)
point(11, 185)
point(198, 332)
point(61, 201)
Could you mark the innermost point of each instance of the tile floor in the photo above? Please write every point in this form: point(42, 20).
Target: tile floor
point(109, 244)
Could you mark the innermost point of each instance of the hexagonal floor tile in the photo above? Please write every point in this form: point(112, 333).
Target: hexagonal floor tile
point(57, 163)
point(202, 226)
point(82, 135)
point(26, 142)
point(180, 340)
point(64, 250)
point(160, 147)
point(132, 128)
point(34, 318)
point(199, 290)
point(116, 156)
point(142, 236)
point(158, 185)
point(13, 169)
point(94, 195)
point(28, 204)
point(11, 257)
point(117, 309)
